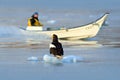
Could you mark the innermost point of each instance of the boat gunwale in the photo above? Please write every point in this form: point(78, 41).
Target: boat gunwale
point(91, 22)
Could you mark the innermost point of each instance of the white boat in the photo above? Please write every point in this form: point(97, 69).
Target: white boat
point(79, 32)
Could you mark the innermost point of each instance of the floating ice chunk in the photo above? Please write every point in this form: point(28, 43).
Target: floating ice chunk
point(33, 58)
point(51, 21)
point(71, 59)
point(46, 58)
point(52, 59)
point(91, 16)
point(66, 59)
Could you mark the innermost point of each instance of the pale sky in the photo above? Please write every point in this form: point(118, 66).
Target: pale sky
point(61, 3)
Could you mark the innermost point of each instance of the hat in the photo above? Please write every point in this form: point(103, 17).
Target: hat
point(35, 13)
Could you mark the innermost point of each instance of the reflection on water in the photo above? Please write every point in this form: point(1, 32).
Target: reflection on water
point(53, 64)
point(45, 44)
point(81, 43)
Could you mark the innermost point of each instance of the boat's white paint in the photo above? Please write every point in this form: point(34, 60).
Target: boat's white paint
point(34, 28)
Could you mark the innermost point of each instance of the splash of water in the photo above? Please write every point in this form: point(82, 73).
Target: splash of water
point(15, 34)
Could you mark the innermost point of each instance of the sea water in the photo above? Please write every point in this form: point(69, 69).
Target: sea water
point(101, 54)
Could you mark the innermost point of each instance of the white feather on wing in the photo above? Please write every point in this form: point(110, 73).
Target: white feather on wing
point(52, 46)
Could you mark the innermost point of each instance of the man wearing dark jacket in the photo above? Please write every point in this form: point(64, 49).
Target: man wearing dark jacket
point(56, 47)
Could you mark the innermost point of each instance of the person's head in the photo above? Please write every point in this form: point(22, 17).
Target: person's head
point(36, 15)
point(55, 38)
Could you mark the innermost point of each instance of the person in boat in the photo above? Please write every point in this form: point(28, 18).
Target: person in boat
point(34, 21)
point(56, 48)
